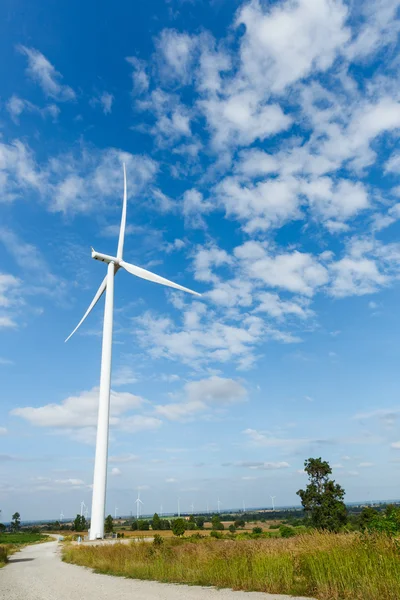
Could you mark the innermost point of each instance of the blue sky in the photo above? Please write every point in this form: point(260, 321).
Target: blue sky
point(261, 143)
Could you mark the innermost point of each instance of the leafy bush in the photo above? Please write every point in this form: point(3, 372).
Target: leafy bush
point(158, 540)
point(179, 527)
point(387, 522)
point(286, 531)
point(232, 528)
point(257, 530)
point(216, 534)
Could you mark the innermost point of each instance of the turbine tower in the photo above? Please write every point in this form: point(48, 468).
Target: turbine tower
point(61, 516)
point(114, 264)
point(138, 502)
point(272, 500)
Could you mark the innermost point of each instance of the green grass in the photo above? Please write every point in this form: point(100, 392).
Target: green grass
point(22, 538)
point(324, 566)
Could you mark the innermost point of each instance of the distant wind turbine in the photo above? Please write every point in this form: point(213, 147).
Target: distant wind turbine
point(192, 507)
point(244, 507)
point(115, 512)
point(115, 263)
point(272, 500)
point(161, 511)
point(61, 516)
point(138, 502)
point(179, 507)
point(82, 507)
point(219, 505)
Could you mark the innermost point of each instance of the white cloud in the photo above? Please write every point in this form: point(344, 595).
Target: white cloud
point(73, 182)
point(8, 322)
point(171, 480)
point(176, 52)
point(202, 395)
point(16, 106)
point(124, 375)
point(9, 290)
point(71, 482)
point(42, 72)
point(395, 445)
point(123, 458)
point(80, 411)
point(140, 79)
point(284, 43)
point(115, 472)
point(262, 205)
point(105, 100)
point(272, 304)
point(366, 465)
point(263, 466)
point(295, 271)
point(3, 431)
point(18, 171)
point(194, 207)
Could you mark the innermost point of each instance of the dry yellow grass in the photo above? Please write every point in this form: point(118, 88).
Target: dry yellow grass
point(325, 566)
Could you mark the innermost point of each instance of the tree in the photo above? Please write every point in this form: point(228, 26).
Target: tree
point(143, 525)
point(232, 528)
point(179, 527)
point(109, 524)
point(323, 498)
point(200, 522)
point(79, 523)
point(16, 521)
point(2, 528)
point(367, 515)
point(156, 524)
point(216, 524)
point(134, 525)
point(257, 530)
point(239, 523)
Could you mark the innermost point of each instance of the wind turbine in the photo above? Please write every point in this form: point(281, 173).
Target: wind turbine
point(272, 500)
point(82, 507)
point(115, 512)
point(61, 516)
point(114, 264)
point(138, 502)
point(244, 507)
point(161, 511)
point(179, 507)
point(192, 507)
point(219, 505)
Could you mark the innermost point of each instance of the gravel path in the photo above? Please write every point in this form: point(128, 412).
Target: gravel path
point(37, 573)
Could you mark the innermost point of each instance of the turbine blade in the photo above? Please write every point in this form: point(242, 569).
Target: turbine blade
point(97, 297)
point(123, 221)
point(143, 274)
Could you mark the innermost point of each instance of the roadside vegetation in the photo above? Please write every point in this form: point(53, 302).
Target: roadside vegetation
point(323, 552)
point(325, 565)
point(13, 540)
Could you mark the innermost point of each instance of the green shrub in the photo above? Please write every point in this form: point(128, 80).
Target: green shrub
point(158, 540)
point(257, 530)
point(286, 531)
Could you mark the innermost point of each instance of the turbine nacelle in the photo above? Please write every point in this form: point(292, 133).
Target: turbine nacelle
point(104, 257)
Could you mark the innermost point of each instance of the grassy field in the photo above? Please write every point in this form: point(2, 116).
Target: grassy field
point(321, 565)
point(12, 542)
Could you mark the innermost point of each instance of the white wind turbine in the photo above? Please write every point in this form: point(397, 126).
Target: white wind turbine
point(219, 505)
point(138, 502)
point(115, 263)
point(272, 500)
point(115, 512)
point(61, 516)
